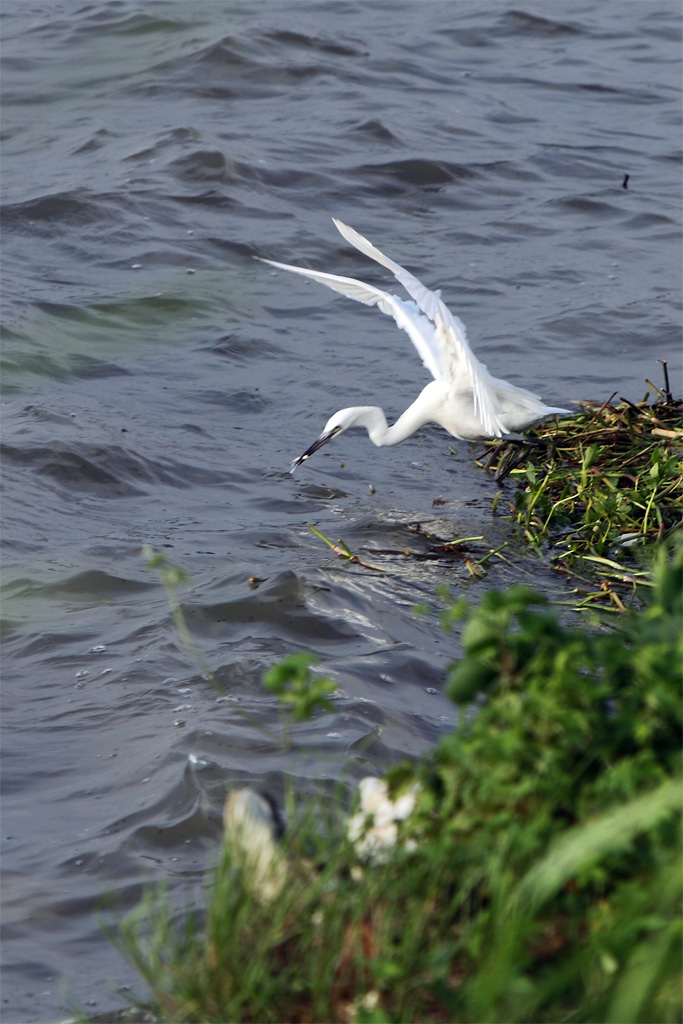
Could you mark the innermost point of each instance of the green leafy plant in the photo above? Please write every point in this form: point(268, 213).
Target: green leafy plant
point(560, 798)
point(299, 694)
point(290, 680)
point(173, 578)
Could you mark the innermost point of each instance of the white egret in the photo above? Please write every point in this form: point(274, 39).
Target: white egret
point(463, 398)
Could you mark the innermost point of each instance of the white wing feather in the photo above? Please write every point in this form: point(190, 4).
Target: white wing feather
point(406, 314)
point(448, 344)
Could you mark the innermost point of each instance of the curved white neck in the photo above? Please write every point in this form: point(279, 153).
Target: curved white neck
point(375, 422)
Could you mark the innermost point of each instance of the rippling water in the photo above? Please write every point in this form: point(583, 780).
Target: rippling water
point(157, 381)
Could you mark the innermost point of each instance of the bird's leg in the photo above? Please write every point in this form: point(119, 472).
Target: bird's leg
point(510, 461)
point(544, 442)
point(504, 461)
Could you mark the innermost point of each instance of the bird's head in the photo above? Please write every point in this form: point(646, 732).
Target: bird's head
point(336, 424)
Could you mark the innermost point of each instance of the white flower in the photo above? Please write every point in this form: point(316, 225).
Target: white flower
point(373, 829)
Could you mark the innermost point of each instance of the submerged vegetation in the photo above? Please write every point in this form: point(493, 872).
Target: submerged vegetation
point(533, 870)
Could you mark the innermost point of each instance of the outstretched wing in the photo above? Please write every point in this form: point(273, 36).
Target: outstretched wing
point(406, 314)
point(450, 349)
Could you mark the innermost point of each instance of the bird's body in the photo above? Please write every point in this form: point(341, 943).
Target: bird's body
point(463, 398)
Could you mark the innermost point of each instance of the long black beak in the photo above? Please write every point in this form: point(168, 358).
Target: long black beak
point(323, 439)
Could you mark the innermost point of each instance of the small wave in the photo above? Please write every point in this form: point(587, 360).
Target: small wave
point(644, 221)
point(243, 400)
point(269, 61)
point(74, 208)
point(263, 618)
point(587, 205)
point(111, 471)
point(418, 171)
point(319, 43)
point(95, 585)
point(205, 165)
point(373, 129)
point(96, 141)
point(115, 20)
point(237, 349)
point(533, 24)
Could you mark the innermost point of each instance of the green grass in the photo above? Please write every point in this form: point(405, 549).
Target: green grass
point(545, 879)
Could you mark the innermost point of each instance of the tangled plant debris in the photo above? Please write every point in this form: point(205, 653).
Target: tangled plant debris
point(608, 482)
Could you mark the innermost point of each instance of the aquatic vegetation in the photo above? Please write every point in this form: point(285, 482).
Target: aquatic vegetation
point(540, 873)
point(608, 481)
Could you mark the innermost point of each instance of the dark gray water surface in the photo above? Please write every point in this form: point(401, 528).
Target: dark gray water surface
point(158, 380)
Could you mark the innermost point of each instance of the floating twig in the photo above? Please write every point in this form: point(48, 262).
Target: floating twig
point(343, 551)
